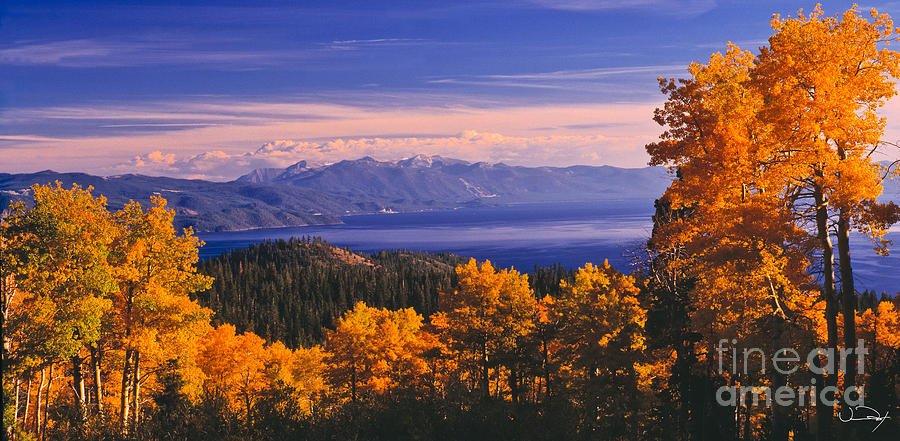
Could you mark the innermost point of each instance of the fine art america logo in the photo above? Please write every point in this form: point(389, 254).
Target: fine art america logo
point(787, 361)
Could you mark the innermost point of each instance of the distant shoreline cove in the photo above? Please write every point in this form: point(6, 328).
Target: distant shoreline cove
point(430, 220)
point(372, 213)
point(433, 210)
point(241, 230)
point(520, 236)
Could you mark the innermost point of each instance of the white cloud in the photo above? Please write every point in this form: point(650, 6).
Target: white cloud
point(161, 158)
point(469, 145)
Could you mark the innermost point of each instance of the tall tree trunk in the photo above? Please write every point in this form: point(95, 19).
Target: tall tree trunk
point(848, 307)
point(848, 296)
point(126, 392)
point(848, 292)
point(16, 410)
point(27, 400)
point(47, 401)
point(78, 385)
point(248, 401)
point(737, 411)
point(485, 379)
point(547, 394)
point(96, 356)
point(5, 282)
point(781, 419)
point(37, 404)
point(824, 413)
point(136, 388)
point(353, 384)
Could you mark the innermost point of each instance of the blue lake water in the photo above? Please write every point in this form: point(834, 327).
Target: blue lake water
point(523, 236)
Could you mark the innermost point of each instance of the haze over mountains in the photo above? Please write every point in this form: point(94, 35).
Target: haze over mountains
point(311, 194)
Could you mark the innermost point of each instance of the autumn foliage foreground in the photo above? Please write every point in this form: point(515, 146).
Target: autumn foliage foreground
point(773, 158)
point(103, 337)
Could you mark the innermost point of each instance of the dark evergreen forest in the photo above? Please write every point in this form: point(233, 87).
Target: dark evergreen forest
point(291, 290)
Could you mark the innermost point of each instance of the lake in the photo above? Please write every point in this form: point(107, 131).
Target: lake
point(523, 236)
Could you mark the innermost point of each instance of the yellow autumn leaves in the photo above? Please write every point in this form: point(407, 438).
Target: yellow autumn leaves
point(123, 283)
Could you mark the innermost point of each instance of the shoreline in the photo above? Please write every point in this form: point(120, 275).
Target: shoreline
point(431, 210)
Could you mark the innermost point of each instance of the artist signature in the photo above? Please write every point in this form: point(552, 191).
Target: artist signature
point(876, 417)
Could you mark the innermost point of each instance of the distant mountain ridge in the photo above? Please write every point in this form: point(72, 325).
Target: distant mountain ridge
point(433, 182)
point(312, 194)
point(204, 205)
point(261, 175)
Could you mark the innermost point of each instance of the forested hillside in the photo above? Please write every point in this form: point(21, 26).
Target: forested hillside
point(290, 291)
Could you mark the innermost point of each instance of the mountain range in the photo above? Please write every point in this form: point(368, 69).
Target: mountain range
point(315, 194)
point(204, 205)
point(433, 182)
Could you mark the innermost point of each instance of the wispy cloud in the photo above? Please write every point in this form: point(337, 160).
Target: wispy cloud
point(668, 7)
point(378, 42)
point(21, 141)
point(164, 115)
point(211, 137)
point(158, 125)
point(84, 53)
point(489, 83)
point(589, 74)
point(206, 51)
point(220, 52)
point(214, 138)
point(571, 80)
point(746, 45)
point(57, 52)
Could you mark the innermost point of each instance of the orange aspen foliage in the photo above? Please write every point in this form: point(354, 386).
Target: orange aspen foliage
point(740, 242)
point(824, 79)
point(234, 365)
point(754, 139)
point(375, 350)
point(55, 260)
point(881, 325)
point(601, 320)
point(153, 317)
point(486, 319)
point(308, 375)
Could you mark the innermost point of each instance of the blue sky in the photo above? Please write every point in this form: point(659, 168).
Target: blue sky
point(213, 89)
